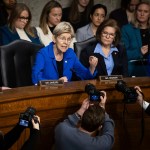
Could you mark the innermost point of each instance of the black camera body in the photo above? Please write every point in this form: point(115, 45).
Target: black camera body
point(94, 94)
point(26, 117)
point(130, 94)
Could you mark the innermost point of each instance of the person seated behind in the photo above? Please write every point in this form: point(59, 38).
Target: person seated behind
point(97, 16)
point(125, 14)
point(51, 16)
point(58, 61)
point(136, 38)
point(78, 13)
point(111, 56)
point(6, 6)
point(19, 26)
point(7, 140)
point(140, 100)
point(89, 128)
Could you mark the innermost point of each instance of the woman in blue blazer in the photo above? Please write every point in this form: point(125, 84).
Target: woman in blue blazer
point(58, 61)
point(18, 26)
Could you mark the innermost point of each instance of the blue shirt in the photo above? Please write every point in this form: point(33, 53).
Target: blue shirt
point(109, 62)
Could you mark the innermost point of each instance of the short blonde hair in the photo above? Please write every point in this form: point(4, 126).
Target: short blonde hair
point(63, 27)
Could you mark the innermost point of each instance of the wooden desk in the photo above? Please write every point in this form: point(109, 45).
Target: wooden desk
point(53, 104)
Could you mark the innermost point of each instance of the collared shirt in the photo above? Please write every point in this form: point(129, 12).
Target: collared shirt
point(109, 62)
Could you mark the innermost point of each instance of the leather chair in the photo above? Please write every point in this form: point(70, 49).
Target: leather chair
point(16, 60)
point(79, 46)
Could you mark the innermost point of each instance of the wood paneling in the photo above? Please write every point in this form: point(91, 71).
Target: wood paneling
point(53, 104)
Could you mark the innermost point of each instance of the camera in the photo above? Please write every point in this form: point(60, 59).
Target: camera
point(130, 94)
point(94, 94)
point(26, 117)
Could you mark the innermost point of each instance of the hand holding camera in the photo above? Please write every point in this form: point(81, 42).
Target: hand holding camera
point(140, 97)
point(29, 118)
point(130, 94)
point(94, 94)
point(36, 122)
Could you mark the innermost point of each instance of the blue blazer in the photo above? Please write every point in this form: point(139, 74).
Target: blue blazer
point(131, 38)
point(45, 67)
point(8, 36)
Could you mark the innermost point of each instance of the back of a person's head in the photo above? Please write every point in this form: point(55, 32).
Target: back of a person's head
point(125, 3)
point(93, 118)
point(45, 13)
point(109, 23)
point(63, 27)
point(15, 14)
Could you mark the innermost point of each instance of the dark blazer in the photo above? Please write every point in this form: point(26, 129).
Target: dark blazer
point(120, 60)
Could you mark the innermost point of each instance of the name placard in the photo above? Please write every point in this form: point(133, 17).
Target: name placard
point(110, 78)
point(44, 83)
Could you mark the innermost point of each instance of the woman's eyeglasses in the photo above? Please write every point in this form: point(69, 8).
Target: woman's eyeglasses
point(64, 39)
point(22, 18)
point(110, 35)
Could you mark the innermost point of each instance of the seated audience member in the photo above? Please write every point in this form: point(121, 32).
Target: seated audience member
point(51, 16)
point(6, 7)
point(78, 13)
point(58, 61)
point(111, 56)
point(136, 38)
point(90, 128)
point(140, 99)
point(97, 16)
point(125, 14)
point(19, 26)
point(7, 140)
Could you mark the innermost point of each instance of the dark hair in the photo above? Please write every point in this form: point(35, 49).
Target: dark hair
point(74, 14)
point(15, 14)
point(97, 6)
point(45, 12)
point(125, 3)
point(109, 23)
point(92, 118)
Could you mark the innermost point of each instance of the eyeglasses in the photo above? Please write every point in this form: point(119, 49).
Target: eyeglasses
point(63, 39)
point(22, 18)
point(110, 35)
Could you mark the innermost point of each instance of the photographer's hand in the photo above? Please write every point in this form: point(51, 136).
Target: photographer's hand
point(84, 106)
point(103, 99)
point(36, 123)
point(140, 98)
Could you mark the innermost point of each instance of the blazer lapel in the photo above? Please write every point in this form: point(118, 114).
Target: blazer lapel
point(116, 61)
point(101, 64)
point(52, 57)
